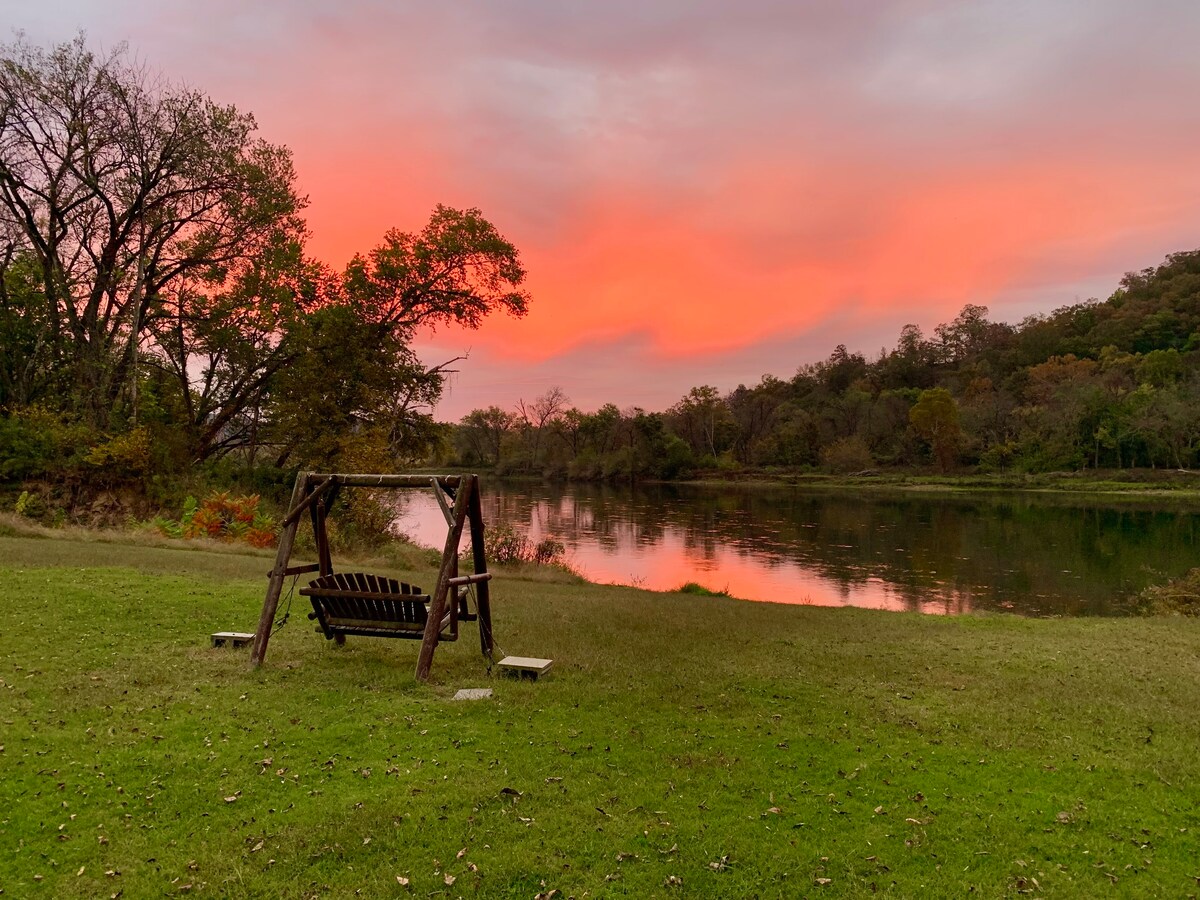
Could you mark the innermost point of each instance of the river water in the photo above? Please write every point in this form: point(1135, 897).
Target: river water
point(1030, 554)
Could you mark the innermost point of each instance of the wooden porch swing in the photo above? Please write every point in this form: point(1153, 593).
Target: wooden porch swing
point(359, 603)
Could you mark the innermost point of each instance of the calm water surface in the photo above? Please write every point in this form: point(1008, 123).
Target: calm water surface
point(1019, 553)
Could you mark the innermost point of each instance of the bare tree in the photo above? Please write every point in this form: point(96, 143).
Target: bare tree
point(539, 414)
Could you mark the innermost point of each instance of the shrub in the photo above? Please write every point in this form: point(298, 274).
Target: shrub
point(699, 590)
point(125, 454)
point(30, 506)
point(850, 454)
point(222, 517)
point(998, 457)
point(549, 552)
point(1178, 597)
point(507, 546)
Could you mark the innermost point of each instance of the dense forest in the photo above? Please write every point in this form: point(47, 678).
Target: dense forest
point(1100, 384)
point(161, 322)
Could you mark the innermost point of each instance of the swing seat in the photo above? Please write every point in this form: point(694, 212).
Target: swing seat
point(359, 603)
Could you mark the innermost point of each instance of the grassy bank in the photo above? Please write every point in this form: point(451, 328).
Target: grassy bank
point(1115, 485)
point(683, 746)
point(1128, 483)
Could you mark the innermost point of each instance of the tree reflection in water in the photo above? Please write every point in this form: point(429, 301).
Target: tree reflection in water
point(1020, 553)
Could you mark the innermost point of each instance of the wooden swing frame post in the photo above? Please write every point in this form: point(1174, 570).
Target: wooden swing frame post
point(314, 493)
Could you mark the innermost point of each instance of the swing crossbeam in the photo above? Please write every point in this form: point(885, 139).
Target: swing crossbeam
point(358, 603)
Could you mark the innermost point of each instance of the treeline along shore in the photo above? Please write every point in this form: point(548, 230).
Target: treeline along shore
point(1111, 384)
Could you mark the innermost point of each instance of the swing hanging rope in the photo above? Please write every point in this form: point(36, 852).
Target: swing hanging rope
point(486, 628)
point(287, 611)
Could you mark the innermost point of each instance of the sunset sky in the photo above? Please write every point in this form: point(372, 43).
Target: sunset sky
point(706, 192)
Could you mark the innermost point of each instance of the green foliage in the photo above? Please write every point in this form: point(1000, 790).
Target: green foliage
point(167, 208)
point(457, 270)
point(36, 442)
point(154, 286)
point(30, 506)
point(999, 457)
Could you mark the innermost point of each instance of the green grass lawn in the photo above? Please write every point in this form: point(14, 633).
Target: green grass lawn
point(682, 746)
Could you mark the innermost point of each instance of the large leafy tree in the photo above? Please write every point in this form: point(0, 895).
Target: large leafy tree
point(149, 237)
point(355, 379)
point(936, 419)
point(481, 434)
point(136, 202)
point(457, 269)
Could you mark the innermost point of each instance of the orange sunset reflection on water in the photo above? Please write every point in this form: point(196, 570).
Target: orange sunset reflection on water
point(778, 545)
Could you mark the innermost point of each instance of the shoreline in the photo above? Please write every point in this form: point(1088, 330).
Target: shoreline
point(1131, 484)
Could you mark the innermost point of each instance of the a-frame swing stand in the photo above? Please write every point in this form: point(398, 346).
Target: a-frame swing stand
point(377, 597)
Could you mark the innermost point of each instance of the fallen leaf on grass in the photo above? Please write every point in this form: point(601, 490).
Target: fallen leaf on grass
point(449, 879)
point(402, 881)
point(823, 881)
point(673, 881)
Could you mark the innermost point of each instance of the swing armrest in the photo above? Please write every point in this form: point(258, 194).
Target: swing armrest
point(461, 580)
